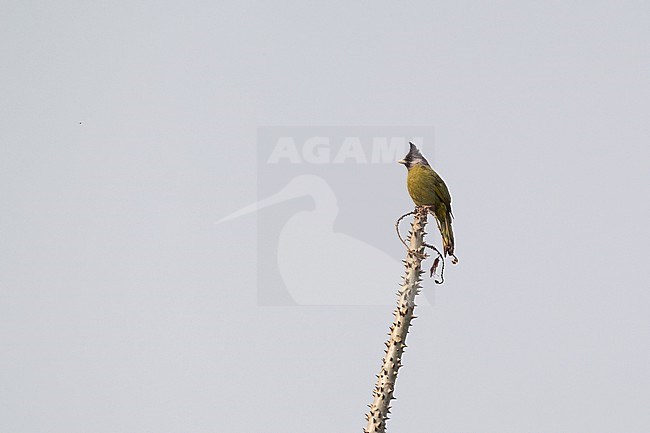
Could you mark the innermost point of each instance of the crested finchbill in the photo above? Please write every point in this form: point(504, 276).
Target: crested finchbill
point(427, 189)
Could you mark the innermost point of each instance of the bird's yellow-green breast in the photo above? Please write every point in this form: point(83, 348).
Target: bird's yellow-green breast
point(426, 187)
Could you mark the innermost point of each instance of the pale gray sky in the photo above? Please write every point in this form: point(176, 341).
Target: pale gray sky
point(128, 128)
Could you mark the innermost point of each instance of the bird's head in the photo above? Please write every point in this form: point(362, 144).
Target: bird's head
point(413, 158)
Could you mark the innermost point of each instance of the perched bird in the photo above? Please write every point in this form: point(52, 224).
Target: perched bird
point(427, 188)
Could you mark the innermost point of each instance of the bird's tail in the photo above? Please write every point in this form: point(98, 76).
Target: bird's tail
point(443, 218)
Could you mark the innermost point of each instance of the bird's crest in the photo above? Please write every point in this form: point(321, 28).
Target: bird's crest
point(414, 157)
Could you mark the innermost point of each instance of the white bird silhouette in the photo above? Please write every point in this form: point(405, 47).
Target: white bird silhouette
point(321, 267)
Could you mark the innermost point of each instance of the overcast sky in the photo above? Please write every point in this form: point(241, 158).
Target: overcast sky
point(127, 129)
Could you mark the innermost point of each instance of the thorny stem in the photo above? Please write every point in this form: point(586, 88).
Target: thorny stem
point(440, 258)
point(383, 392)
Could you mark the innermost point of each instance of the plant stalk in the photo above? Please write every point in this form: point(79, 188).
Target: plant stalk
point(410, 287)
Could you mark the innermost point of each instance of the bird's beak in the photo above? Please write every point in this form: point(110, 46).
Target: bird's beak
point(401, 161)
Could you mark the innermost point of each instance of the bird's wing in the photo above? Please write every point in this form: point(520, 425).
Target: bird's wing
point(441, 189)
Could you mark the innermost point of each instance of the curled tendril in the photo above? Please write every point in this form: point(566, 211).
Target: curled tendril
point(439, 257)
point(399, 235)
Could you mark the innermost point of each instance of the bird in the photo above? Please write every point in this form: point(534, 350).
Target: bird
point(427, 189)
